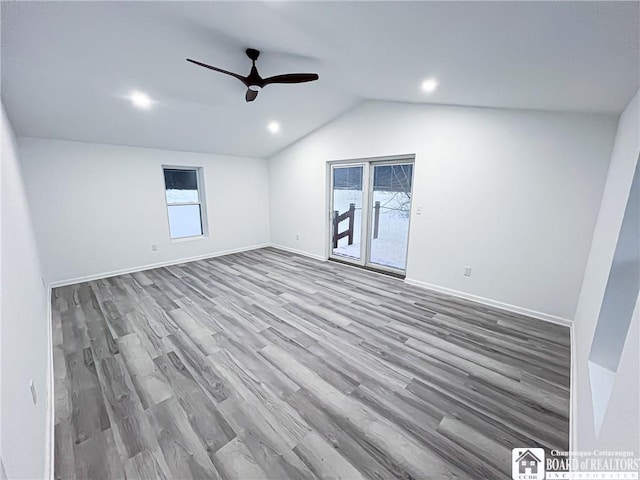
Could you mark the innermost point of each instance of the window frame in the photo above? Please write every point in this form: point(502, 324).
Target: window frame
point(201, 201)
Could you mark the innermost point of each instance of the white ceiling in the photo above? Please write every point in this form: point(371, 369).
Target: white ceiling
point(67, 67)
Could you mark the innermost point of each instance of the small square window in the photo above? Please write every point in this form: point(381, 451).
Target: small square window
point(184, 202)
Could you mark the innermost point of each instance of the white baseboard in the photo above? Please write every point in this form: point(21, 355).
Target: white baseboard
point(142, 268)
point(299, 252)
point(573, 397)
point(573, 411)
point(50, 433)
point(492, 303)
point(455, 293)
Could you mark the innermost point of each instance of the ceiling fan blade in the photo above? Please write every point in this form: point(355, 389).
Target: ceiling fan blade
point(239, 77)
point(251, 95)
point(291, 78)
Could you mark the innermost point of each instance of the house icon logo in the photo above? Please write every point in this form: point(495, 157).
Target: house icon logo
point(527, 464)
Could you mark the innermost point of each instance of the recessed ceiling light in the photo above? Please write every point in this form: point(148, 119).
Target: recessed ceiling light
point(429, 85)
point(140, 100)
point(274, 127)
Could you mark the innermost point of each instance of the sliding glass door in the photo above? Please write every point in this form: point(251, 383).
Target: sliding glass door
point(347, 199)
point(390, 215)
point(370, 212)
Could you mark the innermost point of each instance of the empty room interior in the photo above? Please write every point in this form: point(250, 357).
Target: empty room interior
point(320, 240)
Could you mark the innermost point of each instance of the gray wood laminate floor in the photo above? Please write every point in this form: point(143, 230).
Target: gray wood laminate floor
point(266, 364)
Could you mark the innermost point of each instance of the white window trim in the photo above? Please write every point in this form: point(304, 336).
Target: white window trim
point(201, 202)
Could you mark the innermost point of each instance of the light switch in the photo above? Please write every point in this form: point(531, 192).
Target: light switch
point(418, 210)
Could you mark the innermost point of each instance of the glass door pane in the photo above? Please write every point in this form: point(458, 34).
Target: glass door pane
point(346, 216)
point(390, 212)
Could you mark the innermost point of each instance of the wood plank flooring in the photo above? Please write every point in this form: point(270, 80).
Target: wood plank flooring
point(265, 364)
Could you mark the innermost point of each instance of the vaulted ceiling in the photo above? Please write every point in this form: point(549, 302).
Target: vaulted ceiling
point(68, 68)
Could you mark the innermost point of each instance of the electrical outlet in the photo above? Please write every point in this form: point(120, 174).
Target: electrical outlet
point(154, 248)
point(418, 210)
point(467, 271)
point(34, 395)
point(297, 236)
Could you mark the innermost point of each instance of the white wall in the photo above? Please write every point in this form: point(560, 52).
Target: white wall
point(98, 208)
point(621, 425)
point(513, 194)
point(622, 287)
point(24, 328)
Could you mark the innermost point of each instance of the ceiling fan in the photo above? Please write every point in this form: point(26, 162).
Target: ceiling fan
point(254, 82)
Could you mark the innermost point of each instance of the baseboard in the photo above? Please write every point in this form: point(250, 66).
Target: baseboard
point(492, 303)
point(142, 268)
point(50, 434)
point(299, 252)
point(573, 398)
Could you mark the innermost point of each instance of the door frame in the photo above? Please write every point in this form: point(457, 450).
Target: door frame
point(365, 208)
point(367, 197)
point(368, 263)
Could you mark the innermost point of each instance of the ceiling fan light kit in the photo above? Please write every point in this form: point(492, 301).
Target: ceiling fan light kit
point(254, 82)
